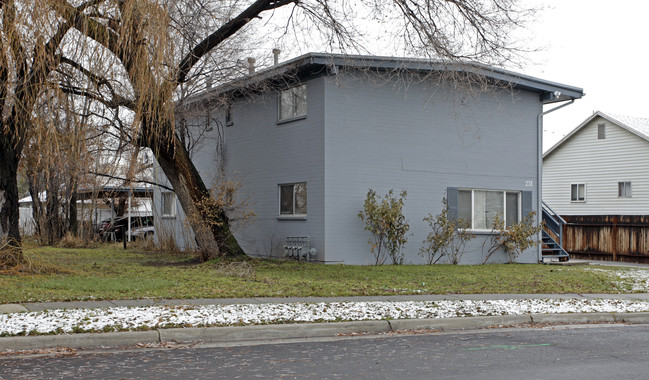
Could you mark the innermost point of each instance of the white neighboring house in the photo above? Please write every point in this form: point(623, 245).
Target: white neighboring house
point(26, 224)
point(600, 168)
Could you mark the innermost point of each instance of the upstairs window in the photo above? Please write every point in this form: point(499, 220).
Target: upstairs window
point(578, 192)
point(292, 103)
point(292, 199)
point(624, 189)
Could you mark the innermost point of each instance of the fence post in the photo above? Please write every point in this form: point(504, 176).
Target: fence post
point(614, 238)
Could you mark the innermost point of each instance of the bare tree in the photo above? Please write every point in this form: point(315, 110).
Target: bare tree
point(151, 49)
point(30, 35)
point(56, 162)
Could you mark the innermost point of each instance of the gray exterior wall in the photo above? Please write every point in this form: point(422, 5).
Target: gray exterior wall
point(263, 153)
point(422, 139)
point(361, 133)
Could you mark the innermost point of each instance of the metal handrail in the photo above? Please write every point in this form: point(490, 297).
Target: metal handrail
point(553, 213)
point(558, 220)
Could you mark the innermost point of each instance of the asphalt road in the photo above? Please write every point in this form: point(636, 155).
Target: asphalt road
point(558, 352)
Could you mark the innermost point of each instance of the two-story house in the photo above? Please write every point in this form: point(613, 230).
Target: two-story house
point(597, 179)
point(310, 136)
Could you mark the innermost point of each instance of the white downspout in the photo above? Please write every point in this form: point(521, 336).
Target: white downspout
point(539, 180)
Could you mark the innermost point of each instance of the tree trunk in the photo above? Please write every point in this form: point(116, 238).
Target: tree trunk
point(209, 223)
point(73, 225)
point(38, 215)
point(9, 208)
point(53, 211)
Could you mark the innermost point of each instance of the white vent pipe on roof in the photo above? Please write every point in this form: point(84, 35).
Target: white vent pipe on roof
point(276, 56)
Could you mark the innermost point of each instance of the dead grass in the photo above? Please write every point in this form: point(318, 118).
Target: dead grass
point(71, 241)
point(241, 269)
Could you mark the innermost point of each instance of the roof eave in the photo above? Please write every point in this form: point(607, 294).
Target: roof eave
point(513, 79)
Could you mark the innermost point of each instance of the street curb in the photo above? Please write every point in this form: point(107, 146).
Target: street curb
point(573, 318)
point(301, 330)
point(636, 318)
point(463, 323)
point(269, 332)
point(92, 340)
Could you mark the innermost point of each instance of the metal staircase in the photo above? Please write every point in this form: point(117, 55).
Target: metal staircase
point(552, 235)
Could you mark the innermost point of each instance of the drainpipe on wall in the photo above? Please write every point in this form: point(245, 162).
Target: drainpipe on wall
point(539, 180)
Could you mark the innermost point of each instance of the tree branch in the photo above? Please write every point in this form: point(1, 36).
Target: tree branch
point(89, 27)
point(223, 33)
point(126, 180)
point(116, 101)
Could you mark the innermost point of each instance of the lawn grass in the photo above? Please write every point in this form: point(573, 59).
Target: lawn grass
point(110, 272)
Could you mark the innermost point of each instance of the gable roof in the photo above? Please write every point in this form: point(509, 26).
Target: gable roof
point(549, 92)
point(637, 125)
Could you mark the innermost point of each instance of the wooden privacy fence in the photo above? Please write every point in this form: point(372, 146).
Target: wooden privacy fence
point(608, 237)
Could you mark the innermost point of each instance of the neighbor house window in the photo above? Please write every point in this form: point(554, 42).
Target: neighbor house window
point(168, 204)
point(624, 189)
point(292, 199)
point(292, 103)
point(601, 131)
point(482, 206)
point(578, 192)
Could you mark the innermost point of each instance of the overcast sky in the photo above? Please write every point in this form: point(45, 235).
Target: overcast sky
point(600, 46)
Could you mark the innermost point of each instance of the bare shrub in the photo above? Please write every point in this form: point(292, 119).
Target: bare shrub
point(385, 220)
point(164, 245)
point(11, 255)
point(514, 239)
point(147, 245)
point(447, 239)
point(223, 205)
point(72, 241)
point(9, 264)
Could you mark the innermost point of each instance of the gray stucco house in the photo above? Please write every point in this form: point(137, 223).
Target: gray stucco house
point(323, 129)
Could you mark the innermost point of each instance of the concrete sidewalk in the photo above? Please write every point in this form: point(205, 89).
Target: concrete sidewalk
point(301, 330)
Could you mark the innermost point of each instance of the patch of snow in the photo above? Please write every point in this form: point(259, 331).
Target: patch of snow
point(636, 279)
point(133, 318)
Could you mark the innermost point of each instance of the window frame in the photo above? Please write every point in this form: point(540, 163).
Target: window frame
point(294, 214)
point(601, 131)
point(172, 204)
point(624, 189)
point(519, 205)
point(294, 116)
point(576, 199)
